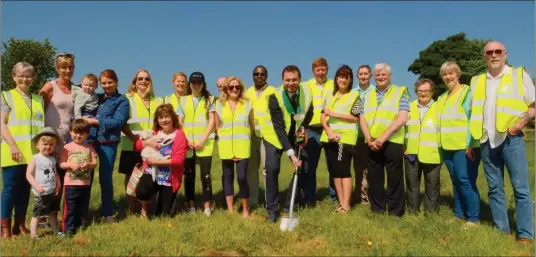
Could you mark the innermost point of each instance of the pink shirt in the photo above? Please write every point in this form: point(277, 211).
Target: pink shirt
point(75, 153)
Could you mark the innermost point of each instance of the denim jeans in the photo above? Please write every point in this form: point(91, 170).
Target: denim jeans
point(107, 154)
point(512, 154)
point(464, 173)
point(16, 191)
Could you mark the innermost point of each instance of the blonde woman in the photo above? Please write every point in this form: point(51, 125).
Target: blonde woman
point(179, 81)
point(234, 125)
point(460, 152)
point(143, 104)
point(196, 114)
point(22, 115)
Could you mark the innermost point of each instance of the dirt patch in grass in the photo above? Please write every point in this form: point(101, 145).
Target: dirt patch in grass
point(224, 253)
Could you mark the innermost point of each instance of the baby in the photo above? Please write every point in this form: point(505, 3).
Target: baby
point(85, 99)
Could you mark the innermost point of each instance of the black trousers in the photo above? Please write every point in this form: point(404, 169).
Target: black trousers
point(75, 207)
point(273, 167)
point(387, 160)
point(414, 170)
point(228, 167)
point(205, 164)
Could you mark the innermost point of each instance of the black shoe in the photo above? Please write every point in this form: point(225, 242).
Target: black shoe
point(272, 218)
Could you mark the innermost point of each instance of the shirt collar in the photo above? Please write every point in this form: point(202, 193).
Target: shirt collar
point(370, 87)
point(262, 88)
point(505, 70)
point(384, 91)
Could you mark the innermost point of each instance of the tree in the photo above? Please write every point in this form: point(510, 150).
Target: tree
point(39, 54)
point(467, 53)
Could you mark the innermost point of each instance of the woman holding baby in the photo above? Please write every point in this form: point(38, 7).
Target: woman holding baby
point(162, 174)
point(143, 104)
point(235, 125)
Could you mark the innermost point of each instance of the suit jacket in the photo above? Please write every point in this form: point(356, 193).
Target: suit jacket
point(287, 140)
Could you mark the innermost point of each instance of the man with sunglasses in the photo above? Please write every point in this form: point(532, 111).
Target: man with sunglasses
point(258, 94)
point(502, 105)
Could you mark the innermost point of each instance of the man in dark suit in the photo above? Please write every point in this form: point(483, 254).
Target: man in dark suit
point(289, 108)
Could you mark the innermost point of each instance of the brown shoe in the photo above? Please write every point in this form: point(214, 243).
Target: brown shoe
point(19, 227)
point(523, 241)
point(6, 228)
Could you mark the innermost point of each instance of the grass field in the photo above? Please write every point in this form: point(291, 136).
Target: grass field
point(321, 232)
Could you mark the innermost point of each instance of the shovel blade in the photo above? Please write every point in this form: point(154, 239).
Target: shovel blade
point(288, 225)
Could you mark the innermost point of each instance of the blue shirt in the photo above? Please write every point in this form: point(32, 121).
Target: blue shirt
point(112, 114)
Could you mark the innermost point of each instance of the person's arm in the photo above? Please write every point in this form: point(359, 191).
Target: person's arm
point(528, 98)
point(466, 105)
point(57, 189)
point(251, 119)
point(118, 119)
point(401, 119)
point(94, 158)
point(46, 92)
point(208, 131)
point(65, 164)
point(16, 155)
point(354, 112)
point(30, 176)
point(217, 122)
point(279, 124)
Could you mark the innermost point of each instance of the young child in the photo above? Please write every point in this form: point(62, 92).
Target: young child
point(77, 158)
point(43, 176)
point(84, 97)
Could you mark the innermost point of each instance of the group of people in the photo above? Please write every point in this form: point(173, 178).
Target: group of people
point(51, 141)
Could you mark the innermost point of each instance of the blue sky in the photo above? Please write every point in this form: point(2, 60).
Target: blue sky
point(231, 38)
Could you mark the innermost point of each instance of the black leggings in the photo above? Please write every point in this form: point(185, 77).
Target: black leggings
point(205, 164)
point(228, 177)
point(147, 188)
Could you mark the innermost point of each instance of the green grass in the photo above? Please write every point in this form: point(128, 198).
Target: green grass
point(321, 232)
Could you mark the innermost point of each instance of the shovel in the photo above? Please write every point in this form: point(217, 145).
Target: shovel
point(289, 223)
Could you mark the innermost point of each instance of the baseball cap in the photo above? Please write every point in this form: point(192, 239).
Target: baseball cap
point(197, 77)
point(48, 131)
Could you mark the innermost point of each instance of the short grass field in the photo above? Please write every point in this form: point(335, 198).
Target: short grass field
point(320, 232)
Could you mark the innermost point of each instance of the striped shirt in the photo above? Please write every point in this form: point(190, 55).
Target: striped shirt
point(403, 104)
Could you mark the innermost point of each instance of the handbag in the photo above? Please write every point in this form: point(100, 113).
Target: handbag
point(137, 172)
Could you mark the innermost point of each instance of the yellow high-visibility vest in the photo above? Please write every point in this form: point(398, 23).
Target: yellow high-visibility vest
point(452, 120)
point(421, 136)
point(319, 96)
point(347, 129)
point(379, 117)
point(234, 135)
point(141, 118)
point(195, 122)
point(24, 122)
point(509, 102)
point(174, 100)
point(267, 128)
point(260, 106)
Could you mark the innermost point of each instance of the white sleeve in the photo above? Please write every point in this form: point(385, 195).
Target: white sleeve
point(528, 87)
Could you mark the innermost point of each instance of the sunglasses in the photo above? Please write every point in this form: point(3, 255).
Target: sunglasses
point(144, 78)
point(65, 55)
point(233, 88)
point(259, 74)
point(496, 51)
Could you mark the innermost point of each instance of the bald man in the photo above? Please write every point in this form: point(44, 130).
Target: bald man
point(502, 105)
point(220, 82)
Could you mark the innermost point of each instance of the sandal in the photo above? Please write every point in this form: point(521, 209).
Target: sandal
point(339, 209)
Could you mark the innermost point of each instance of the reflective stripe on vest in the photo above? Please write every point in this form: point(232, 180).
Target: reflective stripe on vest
point(24, 122)
point(268, 131)
point(347, 129)
point(319, 97)
point(452, 120)
point(379, 117)
point(196, 122)
point(234, 133)
point(141, 118)
point(509, 102)
point(172, 99)
point(260, 106)
point(421, 136)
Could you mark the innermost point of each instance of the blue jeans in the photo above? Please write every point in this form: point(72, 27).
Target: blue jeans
point(463, 173)
point(107, 154)
point(16, 191)
point(512, 154)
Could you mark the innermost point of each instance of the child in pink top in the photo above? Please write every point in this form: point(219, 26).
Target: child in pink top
point(77, 159)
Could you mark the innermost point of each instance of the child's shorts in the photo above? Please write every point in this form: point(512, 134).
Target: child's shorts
point(44, 205)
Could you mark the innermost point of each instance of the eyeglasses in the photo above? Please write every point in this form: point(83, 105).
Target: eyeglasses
point(65, 55)
point(232, 88)
point(496, 51)
point(23, 77)
point(423, 91)
point(144, 78)
point(259, 74)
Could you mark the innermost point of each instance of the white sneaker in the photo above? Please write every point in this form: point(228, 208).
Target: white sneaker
point(207, 211)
